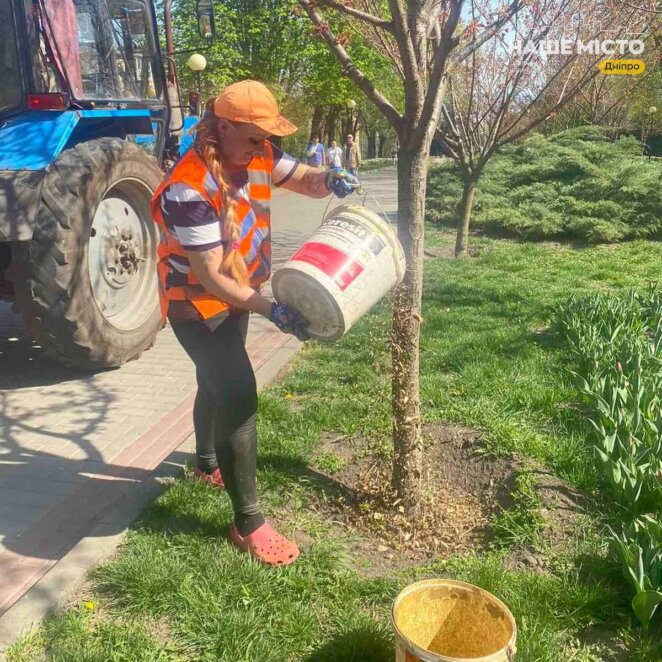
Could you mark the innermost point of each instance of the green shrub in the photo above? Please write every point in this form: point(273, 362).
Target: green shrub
point(578, 184)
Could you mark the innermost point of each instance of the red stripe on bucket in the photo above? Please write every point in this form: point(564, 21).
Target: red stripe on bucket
point(334, 263)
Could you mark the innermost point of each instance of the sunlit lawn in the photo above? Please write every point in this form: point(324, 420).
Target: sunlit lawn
point(179, 591)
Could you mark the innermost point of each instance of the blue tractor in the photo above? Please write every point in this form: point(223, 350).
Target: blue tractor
point(89, 117)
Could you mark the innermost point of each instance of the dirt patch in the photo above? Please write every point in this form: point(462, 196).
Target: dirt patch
point(604, 640)
point(462, 490)
point(443, 251)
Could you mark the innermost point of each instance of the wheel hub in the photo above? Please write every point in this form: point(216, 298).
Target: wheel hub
point(123, 256)
point(121, 238)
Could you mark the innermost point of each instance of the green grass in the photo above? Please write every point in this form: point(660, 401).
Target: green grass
point(522, 523)
point(488, 360)
point(330, 463)
point(376, 164)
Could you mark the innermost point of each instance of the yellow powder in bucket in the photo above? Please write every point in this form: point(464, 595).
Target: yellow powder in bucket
point(453, 622)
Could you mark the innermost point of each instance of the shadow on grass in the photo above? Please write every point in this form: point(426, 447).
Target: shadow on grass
point(362, 645)
point(502, 303)
point(612, 606)
point(296, 470)
point(162, 518)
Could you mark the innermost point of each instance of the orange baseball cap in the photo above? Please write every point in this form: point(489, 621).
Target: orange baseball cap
point(252, 102)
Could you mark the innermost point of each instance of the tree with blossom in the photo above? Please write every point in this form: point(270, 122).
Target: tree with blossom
point(425, 42)
point(544, 57)
point(420, 40)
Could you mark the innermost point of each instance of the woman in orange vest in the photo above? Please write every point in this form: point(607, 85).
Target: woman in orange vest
point(213, 209)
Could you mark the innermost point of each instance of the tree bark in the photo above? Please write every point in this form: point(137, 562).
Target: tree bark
point(331, 119)
point(372, 144)
point(317, 122)
point(464, 217)
point(407, 444)
point(382, 142)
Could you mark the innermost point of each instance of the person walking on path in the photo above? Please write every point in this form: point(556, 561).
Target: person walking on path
point(213, 210)
point(315, 153)
point(351, 156)
point(334, 155)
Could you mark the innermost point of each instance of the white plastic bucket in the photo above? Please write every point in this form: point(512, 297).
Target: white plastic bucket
point(348, 265)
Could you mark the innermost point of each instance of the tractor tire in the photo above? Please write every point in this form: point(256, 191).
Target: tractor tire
point(87, 284)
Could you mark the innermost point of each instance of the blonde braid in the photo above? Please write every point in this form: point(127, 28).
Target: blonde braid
point(207, 146)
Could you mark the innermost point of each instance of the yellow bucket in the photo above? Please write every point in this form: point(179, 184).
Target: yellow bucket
point(441, 620)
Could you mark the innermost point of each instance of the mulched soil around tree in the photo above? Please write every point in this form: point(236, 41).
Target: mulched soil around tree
point(463, 489)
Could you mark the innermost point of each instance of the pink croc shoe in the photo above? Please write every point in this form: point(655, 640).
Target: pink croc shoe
point(266, 545)
point(214, 478)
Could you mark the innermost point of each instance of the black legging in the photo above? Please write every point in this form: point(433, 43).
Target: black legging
point(225, 410)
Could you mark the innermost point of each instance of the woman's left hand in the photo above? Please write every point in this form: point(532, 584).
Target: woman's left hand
point(340, 182)
point(289, 320)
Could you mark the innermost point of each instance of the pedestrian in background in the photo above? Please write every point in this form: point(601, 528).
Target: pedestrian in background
point(351, 156)
point(315, 153)
point(213, 210)
point(334, 155)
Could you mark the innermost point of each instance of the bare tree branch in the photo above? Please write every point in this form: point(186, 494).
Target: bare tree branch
point(489, 32)
point(436, 90)
point(388, 49)
point(657, 12)
point(590, 73)
point(381, 40)
point(351, 70)
point(366, 17)
point(409, 61)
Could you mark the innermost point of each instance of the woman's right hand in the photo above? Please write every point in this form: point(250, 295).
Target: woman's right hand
point(289, 320)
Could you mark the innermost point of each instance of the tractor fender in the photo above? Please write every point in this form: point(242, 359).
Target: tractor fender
point(32, 141)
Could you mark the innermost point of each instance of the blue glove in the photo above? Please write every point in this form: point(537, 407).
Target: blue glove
point(340, 182)
point(289, 321)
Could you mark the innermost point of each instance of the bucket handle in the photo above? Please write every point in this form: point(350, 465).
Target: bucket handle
point(361, 191)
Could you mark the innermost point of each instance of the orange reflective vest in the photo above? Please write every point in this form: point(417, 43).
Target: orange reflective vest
point(255, 236)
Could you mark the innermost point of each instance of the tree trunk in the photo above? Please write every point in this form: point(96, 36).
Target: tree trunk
point(464, 217)
point(355, 125)
point(346, 128)
point(382, 143)
point(331, 119)
point(372, 144)
point(407, 444)
point(317, 123)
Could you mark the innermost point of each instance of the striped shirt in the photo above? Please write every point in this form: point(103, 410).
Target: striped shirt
point(193, 221)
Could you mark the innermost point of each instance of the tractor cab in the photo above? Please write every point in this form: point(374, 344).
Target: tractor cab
point(83, 55)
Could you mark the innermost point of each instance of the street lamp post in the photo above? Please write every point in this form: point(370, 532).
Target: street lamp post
point(646, 128)
point(351, 104)
point(197, 63)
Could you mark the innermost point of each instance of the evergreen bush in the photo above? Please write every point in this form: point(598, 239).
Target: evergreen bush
point(578, 184)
